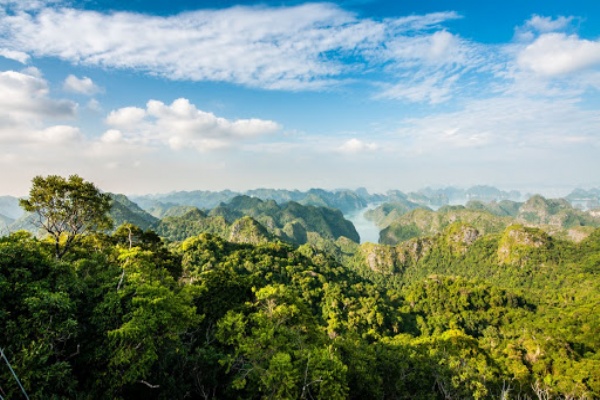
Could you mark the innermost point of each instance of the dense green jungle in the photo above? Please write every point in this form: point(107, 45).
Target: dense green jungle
point(271, 295)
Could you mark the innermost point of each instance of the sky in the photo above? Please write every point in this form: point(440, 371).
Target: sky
point(153, 96)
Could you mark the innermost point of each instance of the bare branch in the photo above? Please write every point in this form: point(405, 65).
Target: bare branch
point(151, 386)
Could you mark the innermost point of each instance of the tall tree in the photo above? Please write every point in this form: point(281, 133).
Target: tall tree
point(66, 208)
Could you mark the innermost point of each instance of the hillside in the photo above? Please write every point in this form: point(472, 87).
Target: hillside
point(5, 222)
point(9, 207)
point(126, 211)
point(158, 204)
point(438, 197)
point(422, 222)
point(343, 200)
point(556, 216)
point(388, 212)
point(503, 208)
point(458, 314)
point(585, 199)
point(216, 304)
point(290, 222)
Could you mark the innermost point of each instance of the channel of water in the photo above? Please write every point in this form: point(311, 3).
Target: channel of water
point(367, 230)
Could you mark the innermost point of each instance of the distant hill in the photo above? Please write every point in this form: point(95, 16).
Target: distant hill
point(423, 222)
point(291, 222)
point(157, 204)
point(386, 213)
point(191, 223)
point(503, 208)
point(5, 222)
point(584, 199)
point(124, 210)
point(9, 207)
point(461, 243)
point(556, 216)
point(344, 200)
point(453, 195)
point(178, 211)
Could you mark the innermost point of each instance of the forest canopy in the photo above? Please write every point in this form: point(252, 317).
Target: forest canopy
point(128, 314)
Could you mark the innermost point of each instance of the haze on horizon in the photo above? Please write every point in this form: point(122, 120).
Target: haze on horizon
point(153, 97)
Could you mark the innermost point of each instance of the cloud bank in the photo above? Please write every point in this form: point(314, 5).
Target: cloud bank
point(182, 125)
point(305, 47)
point(454, 102)
point(83, 85)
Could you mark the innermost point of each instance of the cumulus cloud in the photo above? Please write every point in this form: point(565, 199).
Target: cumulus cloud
point(26, 113)
point(29, 133)
point(25, 100)
point(354, 146)
point(548, 24)
point(538, 24)
point(15, 55)
point(112, 136)
point(94, 105)
point(127, 118)
point(556, 54)
point(182, 125)
point(80, 85)
point(308, 46)
point(59, 134)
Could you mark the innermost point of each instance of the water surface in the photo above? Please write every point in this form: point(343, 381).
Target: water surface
point(367, 230)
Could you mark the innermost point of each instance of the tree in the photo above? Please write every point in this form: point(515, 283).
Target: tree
point(67, 208)
point(38, 320)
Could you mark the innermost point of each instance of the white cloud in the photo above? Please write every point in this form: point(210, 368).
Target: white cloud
point(434, 88)
point(27, 112)
point(438, 48)
point(423, 22)
point(94, 105)
point(429, 68)
point(556, 53)
point(127, 118)
point(59, 134)
point(80, 85)
point(354, 146)
point(32, 71)
point(29, 4)
point(19, 56)
point(302, 47)
point(503, 125)
point(182, 125)
point(537, 25)
point(112, 136)
point(24, 94)
point(548, 24)
point(25, 104)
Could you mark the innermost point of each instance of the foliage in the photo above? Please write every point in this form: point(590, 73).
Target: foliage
point(461, 314)
point(67, 208)
point(556, 217)
point(124, 210)
point(250, 219)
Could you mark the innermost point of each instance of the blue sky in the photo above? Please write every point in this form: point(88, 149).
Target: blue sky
point(154, 96)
